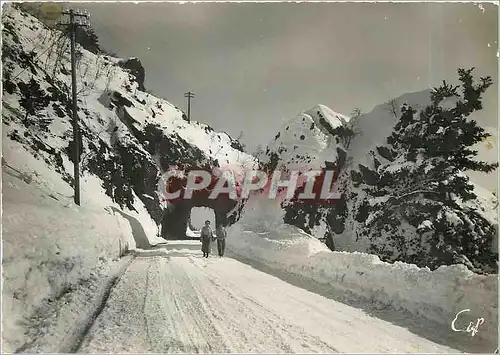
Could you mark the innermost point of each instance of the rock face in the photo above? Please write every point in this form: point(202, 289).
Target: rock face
point(128, 137)
point(135, 67)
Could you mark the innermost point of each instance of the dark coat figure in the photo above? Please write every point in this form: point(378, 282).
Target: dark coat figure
point(206, 239)
point(221, 240)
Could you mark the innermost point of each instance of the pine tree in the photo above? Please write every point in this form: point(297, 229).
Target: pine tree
point(418, 209)
point(356, 113)
point(258, 152)
point(238, 139)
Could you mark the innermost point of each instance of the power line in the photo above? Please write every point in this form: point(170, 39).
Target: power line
point(34, 59)
point(37, 56)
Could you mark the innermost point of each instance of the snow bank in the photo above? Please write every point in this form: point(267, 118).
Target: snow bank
point(50, 245)
point(435, 295)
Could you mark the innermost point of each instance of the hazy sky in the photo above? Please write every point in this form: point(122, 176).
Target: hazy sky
point(251, 65)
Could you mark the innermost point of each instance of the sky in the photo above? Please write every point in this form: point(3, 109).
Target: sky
point(254, 65)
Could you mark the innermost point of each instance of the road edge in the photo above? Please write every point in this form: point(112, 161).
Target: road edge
point(81, 330)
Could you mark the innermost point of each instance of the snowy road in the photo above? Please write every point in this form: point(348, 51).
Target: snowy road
point(180, 302)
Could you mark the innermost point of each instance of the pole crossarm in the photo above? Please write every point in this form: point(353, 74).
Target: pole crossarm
point(76, 18)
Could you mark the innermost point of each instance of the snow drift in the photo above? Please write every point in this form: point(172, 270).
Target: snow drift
point(435, 295)
point(50, 245)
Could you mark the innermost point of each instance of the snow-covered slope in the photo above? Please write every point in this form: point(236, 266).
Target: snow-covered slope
point(119, 124)
point(308, 140)
point(429, 296)
point(50, 245)
point(316, 139)
point(128, 137)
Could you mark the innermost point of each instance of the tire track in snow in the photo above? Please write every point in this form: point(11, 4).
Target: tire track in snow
point(283, 336)
point(341, 327)
point(120, 326)
point(160, 314)
point(173, 314)
point(182, 303)
point(212, 337)
point(284, 330)
point(167, 318)
point(204, 302)
point(234, 330)
point(78, 337)
point(148, 334)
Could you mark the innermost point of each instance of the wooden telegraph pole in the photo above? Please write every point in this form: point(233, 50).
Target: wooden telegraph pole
point(76, 18)
point(189, 95)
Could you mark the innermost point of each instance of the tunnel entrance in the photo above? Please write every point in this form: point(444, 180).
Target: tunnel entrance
point(176, 216)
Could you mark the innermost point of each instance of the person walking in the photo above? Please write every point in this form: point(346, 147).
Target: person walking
point(221, 234)
point(206, 239)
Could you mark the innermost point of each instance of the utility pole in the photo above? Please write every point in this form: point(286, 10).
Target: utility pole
point(189, 95)
point(76, 18)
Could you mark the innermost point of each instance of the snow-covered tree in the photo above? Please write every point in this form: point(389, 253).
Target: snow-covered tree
point(417, 207)
point(356, 113)
point(352, 127)
point(238, 139)
point(392, 107)
point(259, 151)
